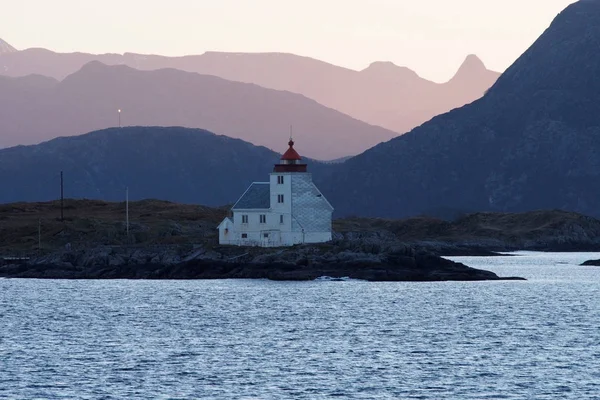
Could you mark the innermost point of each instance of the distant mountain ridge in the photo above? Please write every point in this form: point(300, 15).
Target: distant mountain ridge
point(383, 94)
point(35, 108)
point(531, 143)
point(187, 165)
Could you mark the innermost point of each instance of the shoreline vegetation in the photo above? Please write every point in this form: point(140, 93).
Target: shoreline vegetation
point(177, 241)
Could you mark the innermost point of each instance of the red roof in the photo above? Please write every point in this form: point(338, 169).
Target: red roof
point(291, 154)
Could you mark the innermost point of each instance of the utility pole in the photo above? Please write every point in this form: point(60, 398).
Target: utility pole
point(62, 197)
point(119, 111)
point(40, 235)
point(127, 211)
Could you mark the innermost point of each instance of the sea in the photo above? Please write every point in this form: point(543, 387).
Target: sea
point(242, 339)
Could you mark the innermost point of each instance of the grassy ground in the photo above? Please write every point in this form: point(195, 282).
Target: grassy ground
point(97, 222)
point(534, 225)
point(152, 222)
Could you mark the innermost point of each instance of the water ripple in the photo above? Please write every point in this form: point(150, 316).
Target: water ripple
point(313, 340)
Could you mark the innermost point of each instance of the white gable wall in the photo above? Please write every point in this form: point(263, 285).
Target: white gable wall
point(226, 231)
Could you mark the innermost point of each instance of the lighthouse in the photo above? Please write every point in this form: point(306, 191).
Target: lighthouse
point(287, 210)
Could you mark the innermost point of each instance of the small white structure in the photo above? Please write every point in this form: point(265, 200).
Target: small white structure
point(287, 210)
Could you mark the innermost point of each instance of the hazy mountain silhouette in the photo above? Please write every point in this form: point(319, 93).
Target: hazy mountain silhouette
point(34, 109)
point(531, 143)
point(382, 94)
point(185, 165)
point(6, 48)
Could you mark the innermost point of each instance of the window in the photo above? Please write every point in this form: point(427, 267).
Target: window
point(244, 219)
point(281, 219)
point(263, 219)
point(280, 198)
point(266, 235)
point(280, 180)
point(244, 236)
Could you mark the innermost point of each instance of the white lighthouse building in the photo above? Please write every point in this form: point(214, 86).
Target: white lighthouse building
point(287, 210)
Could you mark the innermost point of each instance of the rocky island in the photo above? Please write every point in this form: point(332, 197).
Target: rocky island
point(591, 263)
point(175, 241)
point(342, 259)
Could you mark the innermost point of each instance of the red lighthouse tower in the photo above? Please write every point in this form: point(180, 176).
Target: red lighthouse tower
point(290, 161)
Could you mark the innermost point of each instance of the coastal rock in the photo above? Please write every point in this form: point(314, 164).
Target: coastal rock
point(592, 263)
point(385, 262)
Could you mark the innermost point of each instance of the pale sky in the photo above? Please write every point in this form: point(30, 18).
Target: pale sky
point(431, 37)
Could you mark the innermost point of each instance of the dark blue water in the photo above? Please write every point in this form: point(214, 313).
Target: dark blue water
point(265, 340)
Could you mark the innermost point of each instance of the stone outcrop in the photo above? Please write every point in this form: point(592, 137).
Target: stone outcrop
point(482, 234)
point(591, 263)
point(355, 259)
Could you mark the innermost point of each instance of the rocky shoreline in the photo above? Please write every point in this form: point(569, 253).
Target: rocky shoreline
point(355, 260)
point(178, 241)
point(591, 263)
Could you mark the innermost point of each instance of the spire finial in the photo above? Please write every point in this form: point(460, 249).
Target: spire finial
point(291, 143)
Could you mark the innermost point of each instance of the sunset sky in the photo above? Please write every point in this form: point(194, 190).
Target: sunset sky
point(430, 36)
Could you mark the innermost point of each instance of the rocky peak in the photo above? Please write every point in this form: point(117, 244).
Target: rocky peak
point(565, 57)
point(472, 66)
point(530, 143)
point(389, 69)
point(6, 48)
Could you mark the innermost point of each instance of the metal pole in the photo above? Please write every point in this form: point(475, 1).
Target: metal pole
point(62, 197)
point(40, 234)
point(127, 210)
point(119, 118)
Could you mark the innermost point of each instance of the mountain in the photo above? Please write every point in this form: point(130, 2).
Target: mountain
point(37, 61)
point(469, 80)
point(530, 143)
point(383, 94)
point(6, 48)
point(186, 165)
point(34, 109)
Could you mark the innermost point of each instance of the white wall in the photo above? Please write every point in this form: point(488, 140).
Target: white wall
point(226, 232)
point(311, 211)
point(284, 209)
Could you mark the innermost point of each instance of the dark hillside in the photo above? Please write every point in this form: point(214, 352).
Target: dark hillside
point(178, 164)
point(531, 143)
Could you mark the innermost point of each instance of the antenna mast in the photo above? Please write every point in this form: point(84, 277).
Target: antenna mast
point(127, 211)
point(62, 197)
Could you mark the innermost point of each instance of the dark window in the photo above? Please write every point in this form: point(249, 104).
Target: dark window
point(280, 180)
point(244, 219)
point(280, 198)
point(281, 219)
point(263, 219)
point(244, 236)
point(266, 235)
